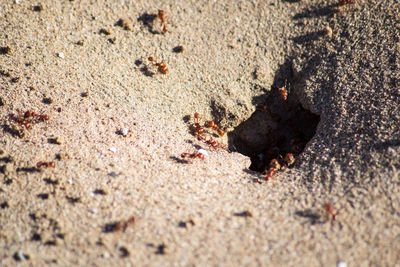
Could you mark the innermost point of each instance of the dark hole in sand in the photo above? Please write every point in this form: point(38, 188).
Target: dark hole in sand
point(276, 128)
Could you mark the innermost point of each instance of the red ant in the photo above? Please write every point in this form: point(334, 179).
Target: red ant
point(283, 93)
point(289, 159)
point(122, 225)
point(199, 129)
point(46, 164)
point(270, 173)
point(160, 65)
point(330, 210)
point(161, 16)
point(344, 2)
point(199, 154)
point(274, 164)
point(212, 124)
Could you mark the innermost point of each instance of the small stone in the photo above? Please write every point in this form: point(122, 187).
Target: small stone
point(123, 131)
point(20, 256)
point(93, 211)
point(61, 55)
point(113, 174)
point(113, 149)
point(342, 264)
point(203, 152)
point(328, 31)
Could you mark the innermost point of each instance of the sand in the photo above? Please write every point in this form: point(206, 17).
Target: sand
point(120, 193)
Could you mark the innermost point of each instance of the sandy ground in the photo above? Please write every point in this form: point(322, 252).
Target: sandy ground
point(116, 199)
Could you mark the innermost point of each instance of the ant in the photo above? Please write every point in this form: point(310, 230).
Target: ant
point(201, 153)
point(329, 208)
point(27, 118)
point(199, 129)
point(160, 65)
point(283, 93)
point(161, 16)
point(270, 173)
point(45, 164)
point(344, 2)
point(274, 164)
point(289, 159)
point(212, 124)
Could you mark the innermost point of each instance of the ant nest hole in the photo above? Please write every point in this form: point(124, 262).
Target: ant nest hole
point(279, 127)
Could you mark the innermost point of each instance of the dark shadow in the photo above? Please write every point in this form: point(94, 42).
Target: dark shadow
point(6, 159)
point(313, 217)
point(111, 227)
point(308, 37)
point(385, 145)
point(43, 196)
point(73, 200)
point(245, 214)
point(178, 160)
point(13, 131)
point(177, 49)
point(146, 72)
point(148, 21)
point(28, 169)
point(314, 12)
point(161, 249)
point(50, 181)
point(53, 141)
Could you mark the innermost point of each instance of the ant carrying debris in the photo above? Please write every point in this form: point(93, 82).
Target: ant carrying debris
point(160, 65)
point(161, 16)
point(201, 154)
point(119, 226)
point(27, 118)
point(45, 164)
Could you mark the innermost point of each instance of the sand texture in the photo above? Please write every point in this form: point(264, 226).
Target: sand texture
point(98, 178)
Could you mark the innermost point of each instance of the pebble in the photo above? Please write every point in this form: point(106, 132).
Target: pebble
point(203, 151)
point(328, 31)
point(124, 131)
point(20, 256)
point(61, 55)
point(113, 149)
point(341, 264)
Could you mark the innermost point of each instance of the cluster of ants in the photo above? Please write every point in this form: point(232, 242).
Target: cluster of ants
point(205, 134)
point(27, 118)
point(276, 164)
